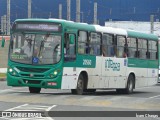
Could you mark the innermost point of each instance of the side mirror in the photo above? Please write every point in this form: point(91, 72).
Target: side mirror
point(71, 39)
point(3, 42)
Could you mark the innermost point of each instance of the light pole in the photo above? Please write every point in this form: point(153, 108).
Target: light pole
point(82, 16)
point(152, 23)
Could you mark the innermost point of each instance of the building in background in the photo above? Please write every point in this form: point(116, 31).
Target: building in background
point(135, 25)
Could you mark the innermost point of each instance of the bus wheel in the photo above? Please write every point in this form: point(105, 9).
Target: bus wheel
point(34, 90)
point(80, 86)
point(130, 85)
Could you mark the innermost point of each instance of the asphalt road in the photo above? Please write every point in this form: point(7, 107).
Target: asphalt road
point(19, 99)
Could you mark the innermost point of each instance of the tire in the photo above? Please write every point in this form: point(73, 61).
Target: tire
point(34, 90)
point(80, 86)
point(129, 88)
point(130, 85)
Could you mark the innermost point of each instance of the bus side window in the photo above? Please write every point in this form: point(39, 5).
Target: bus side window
point(95, 43)
point(132, 48)
point(153, 49)
point(142, 48)
point(107, 48)
point(121, 44)
point(82, 42)
point(108, 45)
point(69, 47)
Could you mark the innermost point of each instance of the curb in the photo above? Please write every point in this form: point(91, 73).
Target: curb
point(2, 79)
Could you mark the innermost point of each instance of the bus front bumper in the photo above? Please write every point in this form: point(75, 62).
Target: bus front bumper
point(54, 83)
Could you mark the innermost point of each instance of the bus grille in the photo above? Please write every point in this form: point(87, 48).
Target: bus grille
point(31, 81)
point(37, 76)
point(35, 70)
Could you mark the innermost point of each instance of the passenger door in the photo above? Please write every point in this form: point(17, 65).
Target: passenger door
point(69, 69)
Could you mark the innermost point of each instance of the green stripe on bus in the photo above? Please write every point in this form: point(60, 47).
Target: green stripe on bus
point(82, 61)
point(141, 63)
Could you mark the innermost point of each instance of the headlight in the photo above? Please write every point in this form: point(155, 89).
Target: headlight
point(54, 73)
point(12, 71)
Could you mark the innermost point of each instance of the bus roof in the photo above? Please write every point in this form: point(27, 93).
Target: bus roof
point(98, 28)
point(110, 30)
point(80, 26)
point(66, 23)
point(136, 34)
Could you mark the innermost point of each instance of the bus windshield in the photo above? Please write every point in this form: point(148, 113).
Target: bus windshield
point(35, 48)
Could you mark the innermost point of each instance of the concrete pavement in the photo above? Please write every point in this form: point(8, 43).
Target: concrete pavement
point(3, 70)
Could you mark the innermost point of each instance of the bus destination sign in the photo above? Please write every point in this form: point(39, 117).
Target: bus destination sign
point(38, 27)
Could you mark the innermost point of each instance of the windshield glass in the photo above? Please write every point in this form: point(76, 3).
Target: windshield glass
point(35, 48)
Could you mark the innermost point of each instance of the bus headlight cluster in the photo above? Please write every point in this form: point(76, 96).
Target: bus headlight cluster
point(54, 74)
point(12, 71)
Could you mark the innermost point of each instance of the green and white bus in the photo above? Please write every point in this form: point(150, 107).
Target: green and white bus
point(60, 54)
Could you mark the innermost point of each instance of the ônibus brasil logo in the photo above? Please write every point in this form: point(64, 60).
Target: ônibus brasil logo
point(113, 65)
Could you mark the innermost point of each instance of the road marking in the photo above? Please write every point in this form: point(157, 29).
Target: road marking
point(27, 107)
point(154, 96)
point(8, 90)
point(12, 109)
point(48, 109)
